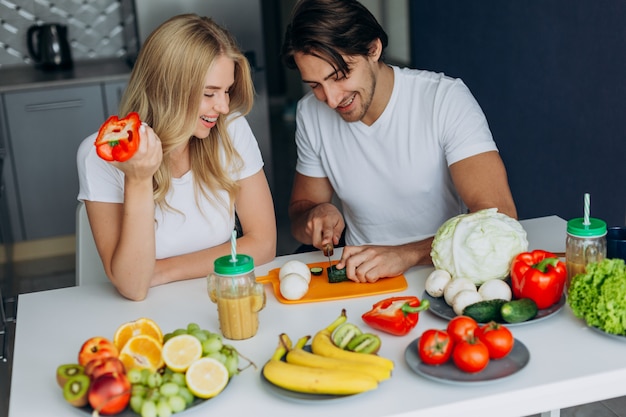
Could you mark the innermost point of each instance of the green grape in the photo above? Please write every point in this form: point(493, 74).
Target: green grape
point(186, 395)
point(199, 334)
point(138, 390)
point(177, 403)
point(155, 380)
point(145, 374)
point(208, 333)
point(152, 394)
point(169, 389)
point(136, 401)
point(217, 355)
point(192, 327)
point(148, 409)
point(167, 336)
point(179, 379)
point(232, 364)
point(163, 408)
point(212, 344)
point(179, 331)
point(134, 376)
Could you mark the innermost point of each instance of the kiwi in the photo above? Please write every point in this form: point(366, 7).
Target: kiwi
point(365, 343)
point(76, 390)
point(67, 371)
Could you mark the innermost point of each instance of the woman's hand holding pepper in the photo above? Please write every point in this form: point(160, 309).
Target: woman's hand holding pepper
point(146, 159)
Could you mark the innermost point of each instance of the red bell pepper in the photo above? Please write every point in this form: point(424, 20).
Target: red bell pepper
point(540, 276)
point(118, 139)
point(395, 315)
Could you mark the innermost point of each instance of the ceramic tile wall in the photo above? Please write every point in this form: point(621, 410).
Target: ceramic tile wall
point(96, 28)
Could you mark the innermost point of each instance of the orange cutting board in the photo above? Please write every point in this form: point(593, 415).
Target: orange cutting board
point(321, 290)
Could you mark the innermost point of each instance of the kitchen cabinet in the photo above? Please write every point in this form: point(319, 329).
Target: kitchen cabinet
point(44, 127)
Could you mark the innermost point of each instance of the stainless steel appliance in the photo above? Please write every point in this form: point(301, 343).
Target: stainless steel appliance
point(243, 18)
point(48, 45)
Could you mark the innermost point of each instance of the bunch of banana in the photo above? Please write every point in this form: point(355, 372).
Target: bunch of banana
point(329, 370)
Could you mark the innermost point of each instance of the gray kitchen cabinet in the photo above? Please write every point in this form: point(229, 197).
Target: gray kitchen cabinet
point(45, 127)
point(113, 92)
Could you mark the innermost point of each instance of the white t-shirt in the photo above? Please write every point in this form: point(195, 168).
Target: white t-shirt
point(176, 233)
point(392, 177)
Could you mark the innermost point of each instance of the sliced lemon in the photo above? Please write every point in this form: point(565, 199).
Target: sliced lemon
point(206, 377)
point(143, 352)
point(180, 351)
point(129, 329)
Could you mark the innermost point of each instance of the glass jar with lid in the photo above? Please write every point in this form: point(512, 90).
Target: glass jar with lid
point(585, 243)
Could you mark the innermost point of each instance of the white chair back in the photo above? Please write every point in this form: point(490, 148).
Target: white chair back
point(89, 267)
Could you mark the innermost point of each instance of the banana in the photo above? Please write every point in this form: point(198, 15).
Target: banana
point(315, 380)
point(323, 345)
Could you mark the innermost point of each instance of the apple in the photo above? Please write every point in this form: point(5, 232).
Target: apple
point(109, 393)
point(107, 365)
point(96, 347)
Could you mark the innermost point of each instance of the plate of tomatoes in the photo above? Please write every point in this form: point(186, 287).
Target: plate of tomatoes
point(467, 353)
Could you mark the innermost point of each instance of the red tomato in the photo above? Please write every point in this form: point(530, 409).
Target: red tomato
point(470, 355)
point(461, 327)
point(95, 348)
point(434, 347)
point(110, 393)
point(498, 339)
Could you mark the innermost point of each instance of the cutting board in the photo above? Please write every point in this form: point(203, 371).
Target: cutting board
point(321, 290)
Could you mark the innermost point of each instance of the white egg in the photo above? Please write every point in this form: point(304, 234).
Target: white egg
point(297, 267)
point(293, 286)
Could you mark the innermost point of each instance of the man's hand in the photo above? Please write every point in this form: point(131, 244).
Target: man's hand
point(324, 225)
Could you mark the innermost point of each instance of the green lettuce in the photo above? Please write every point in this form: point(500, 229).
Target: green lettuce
point(599, 295)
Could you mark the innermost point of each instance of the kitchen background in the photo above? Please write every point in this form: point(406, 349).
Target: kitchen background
point(547, 74)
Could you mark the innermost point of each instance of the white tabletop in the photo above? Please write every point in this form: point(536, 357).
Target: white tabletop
point(569, 363)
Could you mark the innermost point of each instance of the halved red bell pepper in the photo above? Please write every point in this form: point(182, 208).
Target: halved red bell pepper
point(538, 275)
point(118, 139)
point(395, 315)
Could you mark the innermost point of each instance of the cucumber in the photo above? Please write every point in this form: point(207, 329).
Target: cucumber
point(336, 275)
point(485, 311)
point(517, 311)
point(316, 270)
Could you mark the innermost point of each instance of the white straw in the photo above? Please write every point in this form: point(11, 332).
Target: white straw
point(233, 246)
point(586, 221)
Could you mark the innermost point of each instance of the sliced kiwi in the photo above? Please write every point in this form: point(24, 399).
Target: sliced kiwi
point(344, 334)
point(67, 371)
point(76, 390)
point(364, 343)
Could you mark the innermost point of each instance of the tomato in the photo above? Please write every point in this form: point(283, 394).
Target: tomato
point(101, 366)
point(498, 339)
point(434, 347)
point(95, 348)
point(109, 393)
point(470, 355)
point(461, 327)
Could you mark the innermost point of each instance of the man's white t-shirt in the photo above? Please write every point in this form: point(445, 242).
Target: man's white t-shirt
point(392, 177)
point(191, 228)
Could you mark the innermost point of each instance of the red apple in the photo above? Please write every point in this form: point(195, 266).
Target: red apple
point(100, 366)
point(109, 393)
point(96, 347)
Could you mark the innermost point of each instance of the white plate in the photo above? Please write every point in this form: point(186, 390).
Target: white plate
point(440, 308)
point(448, 373)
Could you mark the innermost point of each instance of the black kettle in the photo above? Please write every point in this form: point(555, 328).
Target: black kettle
point(49, 47)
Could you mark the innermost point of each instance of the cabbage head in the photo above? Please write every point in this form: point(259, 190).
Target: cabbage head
point(479, 246)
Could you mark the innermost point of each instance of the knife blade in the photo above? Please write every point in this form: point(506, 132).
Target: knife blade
point(328, 251)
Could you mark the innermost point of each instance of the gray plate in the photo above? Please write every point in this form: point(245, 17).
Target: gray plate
point(440, 308)
point(448, 373)
point(611, 335)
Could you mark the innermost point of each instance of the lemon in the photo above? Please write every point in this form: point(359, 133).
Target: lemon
point(180, 351)
point(206, 377)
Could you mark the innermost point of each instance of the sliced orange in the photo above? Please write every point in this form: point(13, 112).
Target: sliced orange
point(206, 377)
point(133, 328)
point(181, 351)
point(143, 352)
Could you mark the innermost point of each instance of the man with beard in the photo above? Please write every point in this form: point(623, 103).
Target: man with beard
point(402, 149)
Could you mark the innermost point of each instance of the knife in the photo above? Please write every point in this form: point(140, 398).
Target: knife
point(328, 251)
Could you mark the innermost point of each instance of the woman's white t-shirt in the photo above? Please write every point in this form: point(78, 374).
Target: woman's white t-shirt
point(195, 226)
point(392, 177)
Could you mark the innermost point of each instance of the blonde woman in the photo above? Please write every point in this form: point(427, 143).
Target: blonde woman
point(168, 212)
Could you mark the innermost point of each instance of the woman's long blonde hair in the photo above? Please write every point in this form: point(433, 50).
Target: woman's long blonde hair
point(166, 87)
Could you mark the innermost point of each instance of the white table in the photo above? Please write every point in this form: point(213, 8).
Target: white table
point(569, 365)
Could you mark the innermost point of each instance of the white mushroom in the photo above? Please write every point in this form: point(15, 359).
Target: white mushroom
point(436, 282)
point(463, 299)
point(455, 286)
point(495, 289)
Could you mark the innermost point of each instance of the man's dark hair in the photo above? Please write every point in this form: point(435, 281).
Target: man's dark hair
point(329, 29)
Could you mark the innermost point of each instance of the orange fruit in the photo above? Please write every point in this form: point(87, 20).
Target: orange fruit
point(143, 352)
point(181, 351)
point(206, 377)
point(133, 328)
